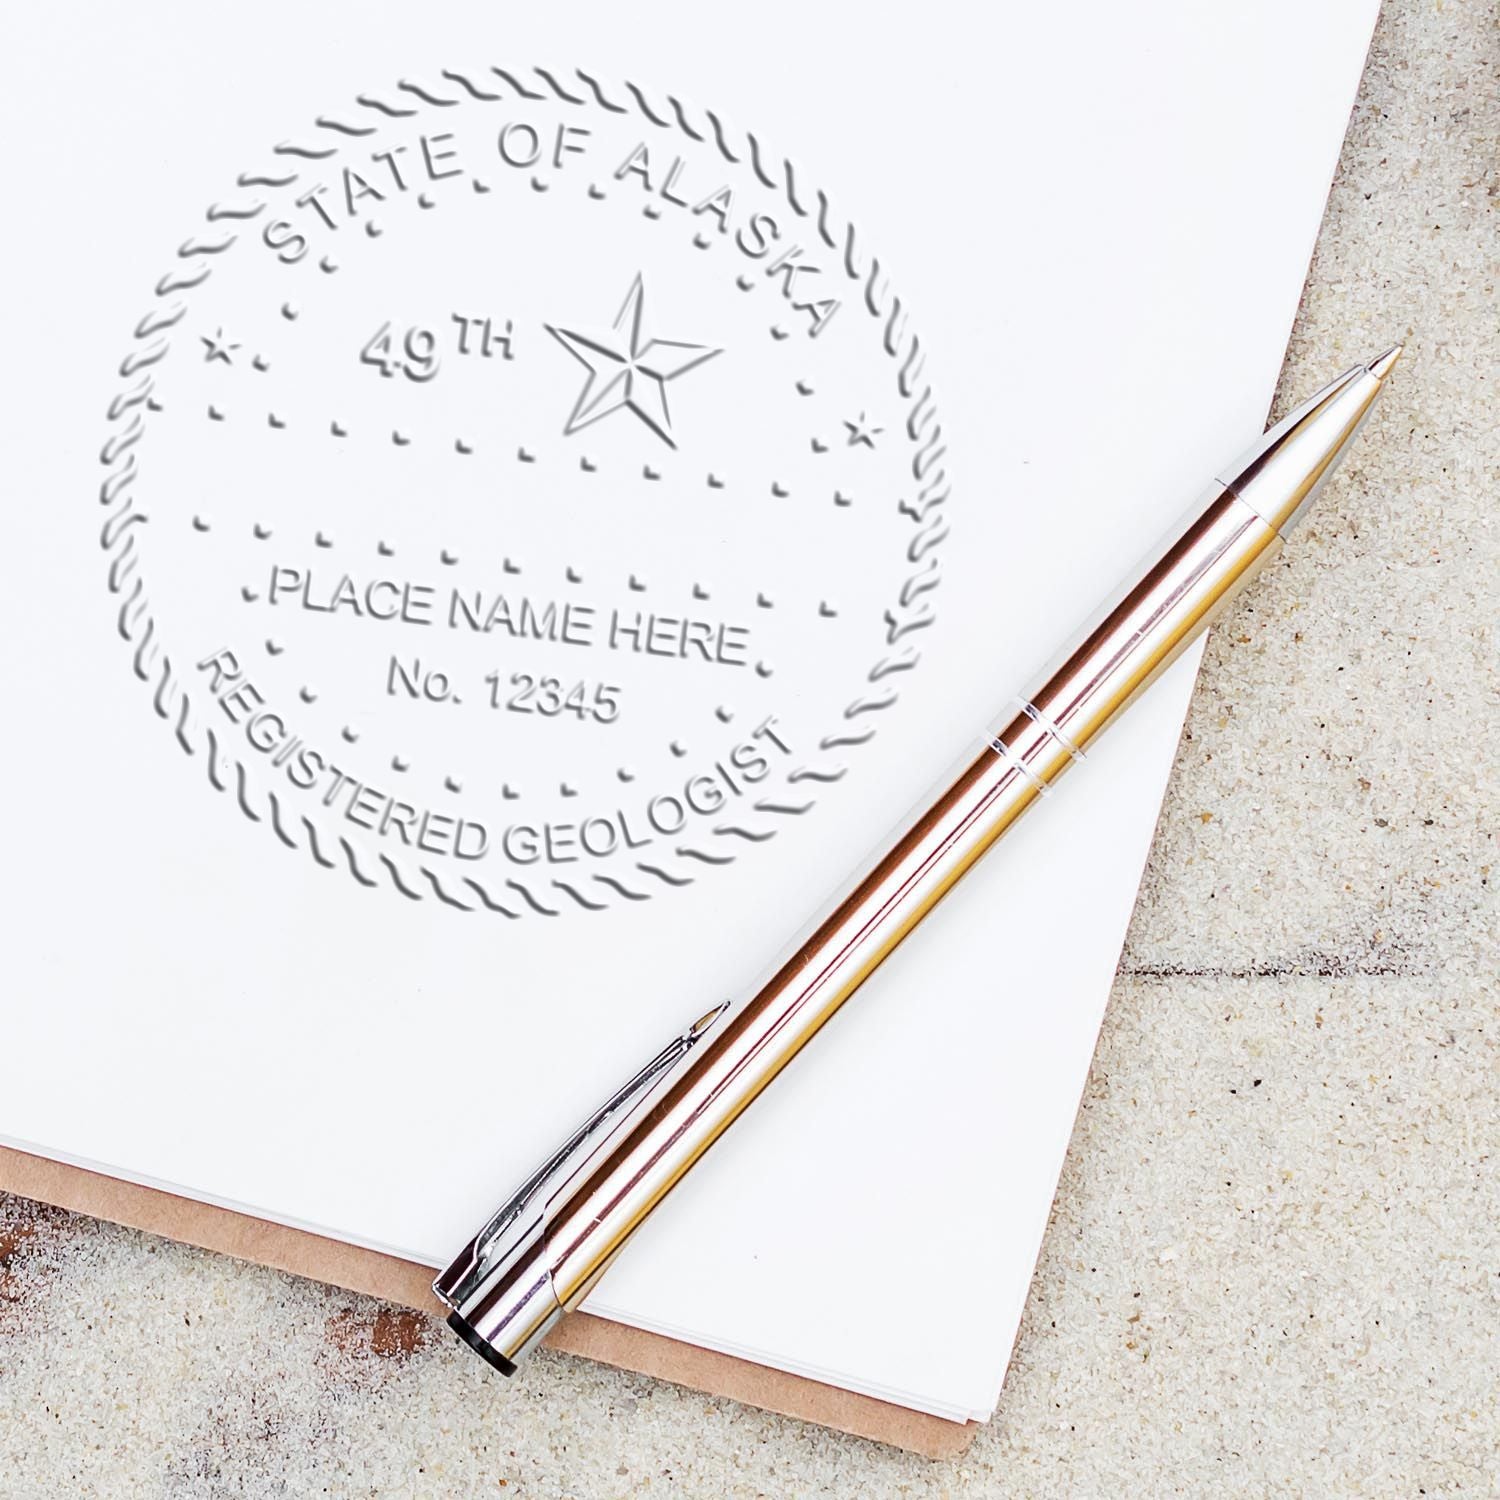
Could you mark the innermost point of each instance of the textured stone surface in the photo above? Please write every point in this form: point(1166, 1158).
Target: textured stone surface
point(1274, 1262)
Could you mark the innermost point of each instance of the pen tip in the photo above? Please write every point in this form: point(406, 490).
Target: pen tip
point(1380, 366)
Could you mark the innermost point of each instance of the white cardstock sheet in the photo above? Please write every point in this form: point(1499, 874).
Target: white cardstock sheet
point(510, 503)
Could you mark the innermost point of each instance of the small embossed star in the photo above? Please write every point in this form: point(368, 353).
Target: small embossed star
point(629, 368)
point(862, 433)
point(219, 347)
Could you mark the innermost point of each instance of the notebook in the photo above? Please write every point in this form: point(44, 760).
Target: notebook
point(510, 505)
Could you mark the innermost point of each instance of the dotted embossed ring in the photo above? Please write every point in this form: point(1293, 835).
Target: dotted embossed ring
point(523, 493)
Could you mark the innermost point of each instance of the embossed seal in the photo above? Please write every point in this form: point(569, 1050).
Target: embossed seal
point(544, 493)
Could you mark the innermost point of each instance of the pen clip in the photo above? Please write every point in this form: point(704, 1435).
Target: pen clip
point(484, 1244)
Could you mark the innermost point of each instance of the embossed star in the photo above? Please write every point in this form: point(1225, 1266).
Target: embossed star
point(219, 347)
point(628, 368)
point(862, 433)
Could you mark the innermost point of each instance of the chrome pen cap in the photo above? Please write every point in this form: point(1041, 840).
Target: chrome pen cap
point(501, 1290)
point(1281, 475)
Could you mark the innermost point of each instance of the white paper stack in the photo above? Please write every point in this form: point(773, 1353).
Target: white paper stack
point(509, 507)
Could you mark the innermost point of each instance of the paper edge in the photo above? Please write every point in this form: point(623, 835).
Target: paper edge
point(300, 1252)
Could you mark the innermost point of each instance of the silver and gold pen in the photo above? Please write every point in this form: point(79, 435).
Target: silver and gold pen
point(539, 1255)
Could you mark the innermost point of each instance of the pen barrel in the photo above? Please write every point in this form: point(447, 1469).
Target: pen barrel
point(1147, 626)
point(1165, 605)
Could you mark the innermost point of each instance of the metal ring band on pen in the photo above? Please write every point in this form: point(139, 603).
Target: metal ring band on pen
point(1008, 755)
point(1041, 720)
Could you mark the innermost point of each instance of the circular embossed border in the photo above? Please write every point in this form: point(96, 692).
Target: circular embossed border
point(129, 411)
